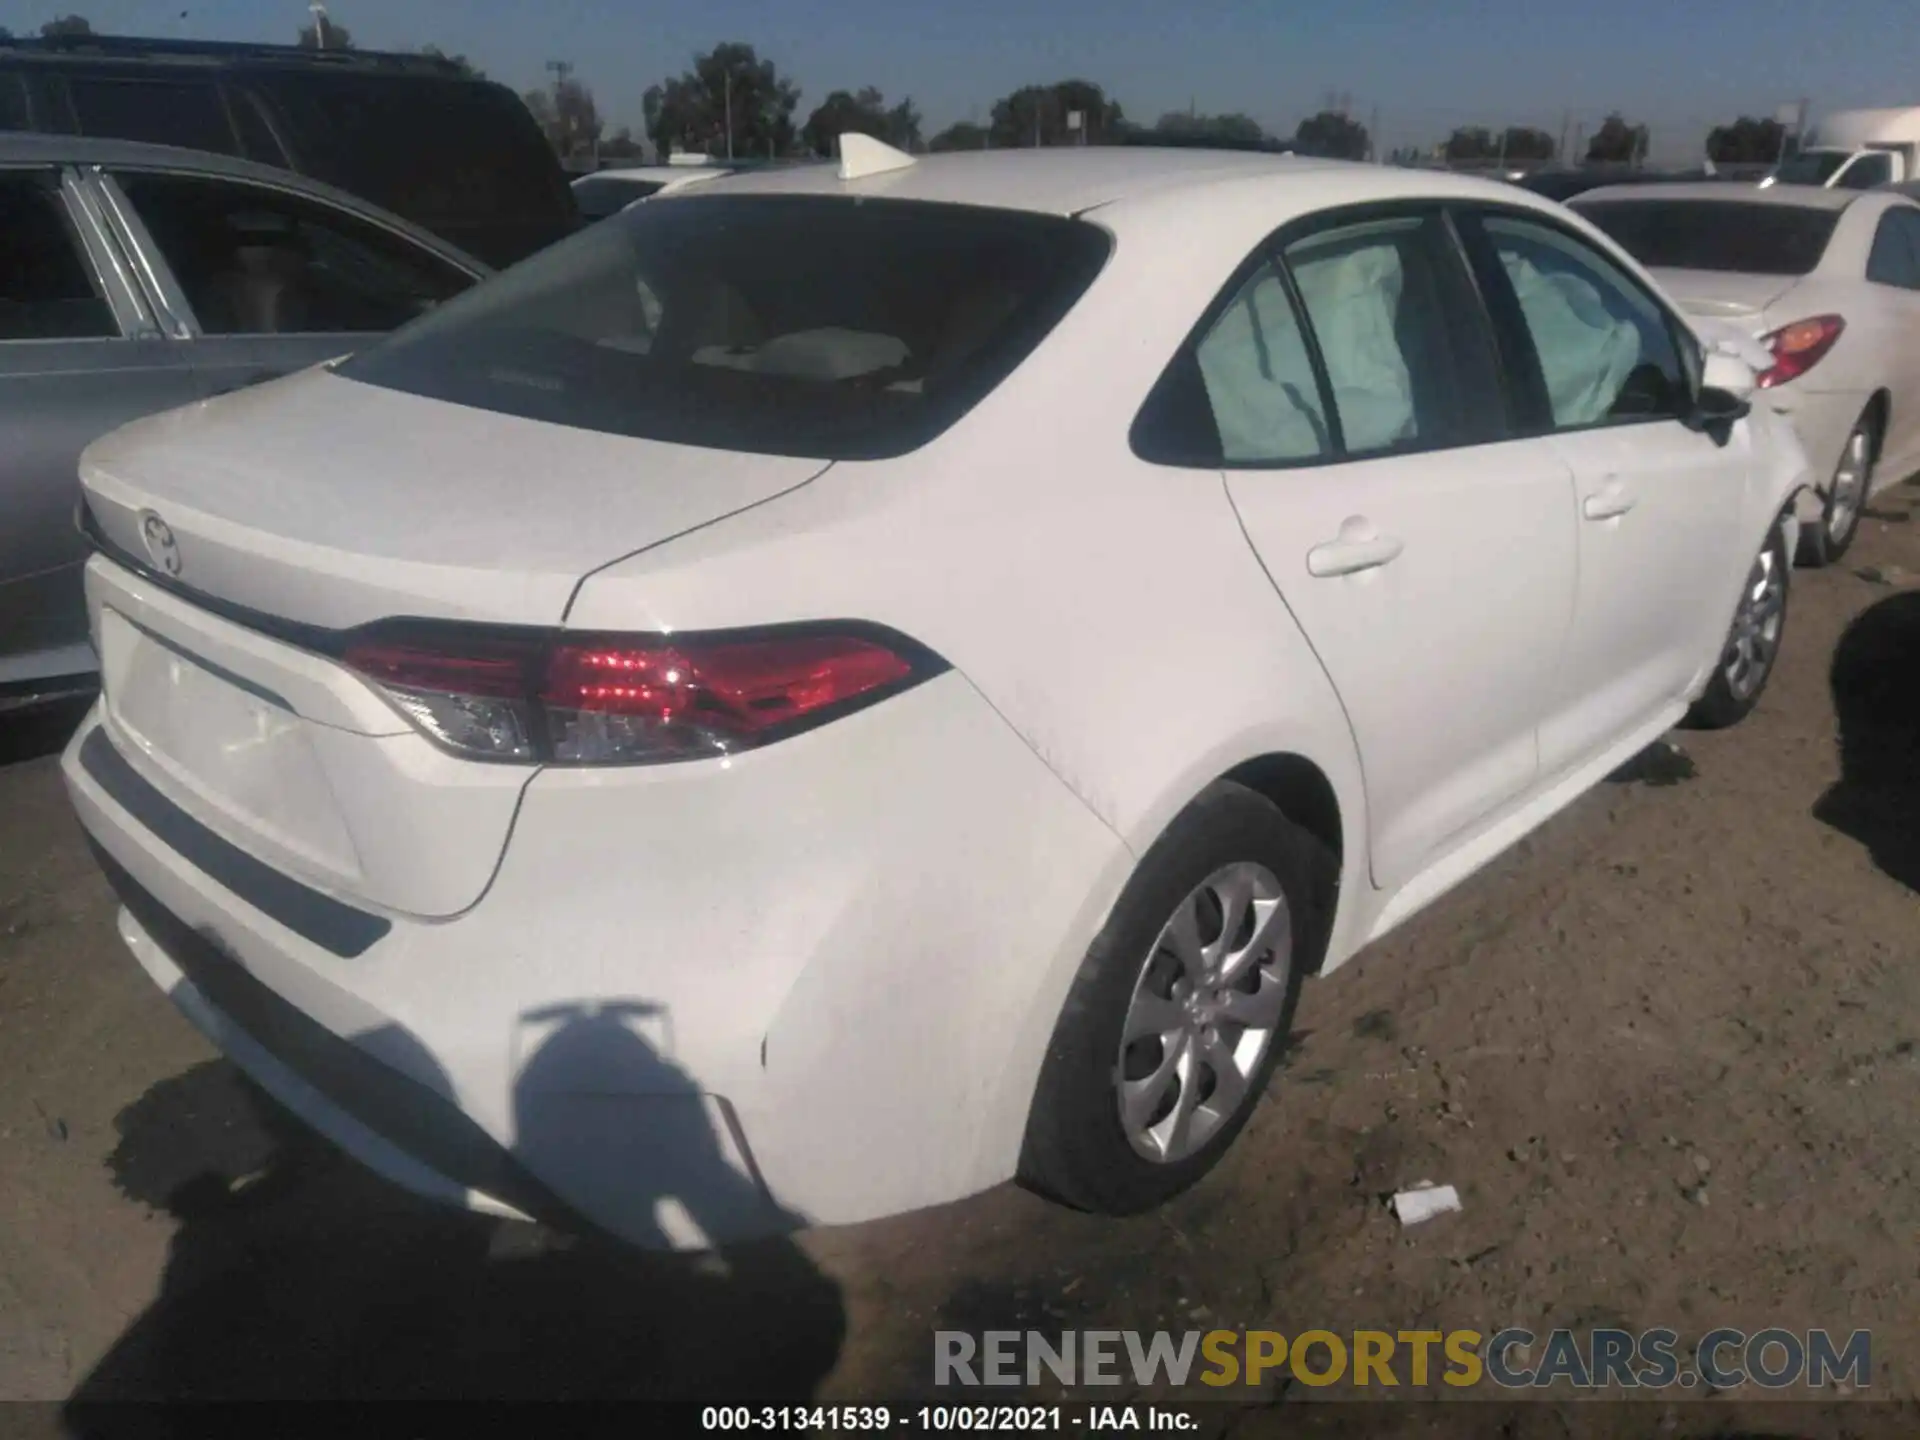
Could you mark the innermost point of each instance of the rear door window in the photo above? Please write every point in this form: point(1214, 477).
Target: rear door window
point(1893, 260)
point(257, 261)
point(15, 111)
point(787, 325)
point(48, 290)
point(1407, 360)
point(188, 113)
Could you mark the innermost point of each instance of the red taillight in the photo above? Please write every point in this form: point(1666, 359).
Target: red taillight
point(1798, 347)
point(614, 699)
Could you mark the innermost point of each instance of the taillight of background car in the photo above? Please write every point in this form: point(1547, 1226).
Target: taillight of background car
point(630, 699)
point(1798, 347)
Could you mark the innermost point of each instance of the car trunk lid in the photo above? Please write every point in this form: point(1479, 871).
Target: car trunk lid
point(334, 503)
point(1719, 295)
point(242, 538)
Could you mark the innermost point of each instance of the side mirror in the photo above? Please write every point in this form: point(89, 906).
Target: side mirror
point(1727, 384)
point(1728, 374)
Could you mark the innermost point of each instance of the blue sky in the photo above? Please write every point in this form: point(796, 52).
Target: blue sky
point(1423, 65)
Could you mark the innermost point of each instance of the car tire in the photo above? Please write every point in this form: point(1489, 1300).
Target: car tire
point(1752, 645)
point(1847, 495)
point(1229, 1007)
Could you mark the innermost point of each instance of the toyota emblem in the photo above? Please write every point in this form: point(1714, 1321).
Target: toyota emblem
point(162, 548)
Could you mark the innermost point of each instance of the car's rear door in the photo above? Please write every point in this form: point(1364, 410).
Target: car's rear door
point(262, 280)
point(1427, 556)
point(1893, 274)
point(79, 355)
point(1608, 375)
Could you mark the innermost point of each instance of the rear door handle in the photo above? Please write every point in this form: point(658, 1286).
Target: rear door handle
point(1358, 547)
point(1609, 502)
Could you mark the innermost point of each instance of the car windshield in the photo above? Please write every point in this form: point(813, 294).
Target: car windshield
point(791, 325)
point(1749, 238)
point(1811, 167)
point(599, 196)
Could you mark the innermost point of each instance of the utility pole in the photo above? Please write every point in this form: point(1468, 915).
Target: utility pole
point(561, 69)
point(1566, 119)
point(727, 83)
point(319, 13)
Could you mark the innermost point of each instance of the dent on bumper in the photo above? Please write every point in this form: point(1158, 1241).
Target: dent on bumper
point(830, 1007)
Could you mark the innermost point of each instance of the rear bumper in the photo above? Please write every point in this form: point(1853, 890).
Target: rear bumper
point(1822, 420)
point(697, 1004)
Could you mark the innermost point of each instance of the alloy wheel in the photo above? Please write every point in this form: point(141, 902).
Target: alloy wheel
point(1755, 638)
point(1849, 493)
point(1204, 1012)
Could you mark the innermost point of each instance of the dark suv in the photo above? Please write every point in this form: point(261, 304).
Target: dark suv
point(414, 134)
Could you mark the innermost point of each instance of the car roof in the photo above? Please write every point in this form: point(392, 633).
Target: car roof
point(1800, 197)
point(1070, 180)
point(28, 148)
point(21, 148)
point(661, 173)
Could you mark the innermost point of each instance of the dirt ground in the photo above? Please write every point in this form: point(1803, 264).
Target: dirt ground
point(1666, 1050)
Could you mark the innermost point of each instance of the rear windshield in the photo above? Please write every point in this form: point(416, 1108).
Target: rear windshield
point(602, 195)
point(429, 148)
point(1751, 239)
point(1811, 167)
point(786, 325)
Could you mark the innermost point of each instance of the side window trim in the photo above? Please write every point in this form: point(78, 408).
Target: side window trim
point(94, 254)
point(1271, 252)
point(1488, 326)
point(1488, 268)
point(1322, 376)
point(169, 301)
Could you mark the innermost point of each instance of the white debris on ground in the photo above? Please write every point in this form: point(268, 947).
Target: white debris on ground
point(1425, 1201)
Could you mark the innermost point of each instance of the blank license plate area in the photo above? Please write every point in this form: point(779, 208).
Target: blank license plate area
point(230, 752)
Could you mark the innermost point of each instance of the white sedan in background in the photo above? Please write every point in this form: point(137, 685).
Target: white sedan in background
point(608, 192)
point(905, 706)
point(1829, 281)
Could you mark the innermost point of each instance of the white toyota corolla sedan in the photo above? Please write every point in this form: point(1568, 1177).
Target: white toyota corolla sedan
point(1829, 282)
point(819, 695)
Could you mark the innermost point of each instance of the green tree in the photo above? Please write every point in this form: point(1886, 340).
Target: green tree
point(621, 145)
point(1037, 115)
point(336, 37)
point(962, 136)
point(1527, 145)
point(1333, 135)
point(868, 114)
point(1617, 143)
point(66, 26)
point(691, 111)
point(460, 62)
point(1470, 145)
point(569, 118)
point(1746, 141)
point(1185, 128)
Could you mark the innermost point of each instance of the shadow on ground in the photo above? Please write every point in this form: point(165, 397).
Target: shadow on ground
point(296, 1274)
point(1876, 697)
point(34, 734)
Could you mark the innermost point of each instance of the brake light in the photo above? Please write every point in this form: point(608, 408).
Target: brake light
point(1798, 347)
point(630, 699)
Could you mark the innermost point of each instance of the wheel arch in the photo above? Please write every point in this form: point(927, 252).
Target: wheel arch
point(1880, 407)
